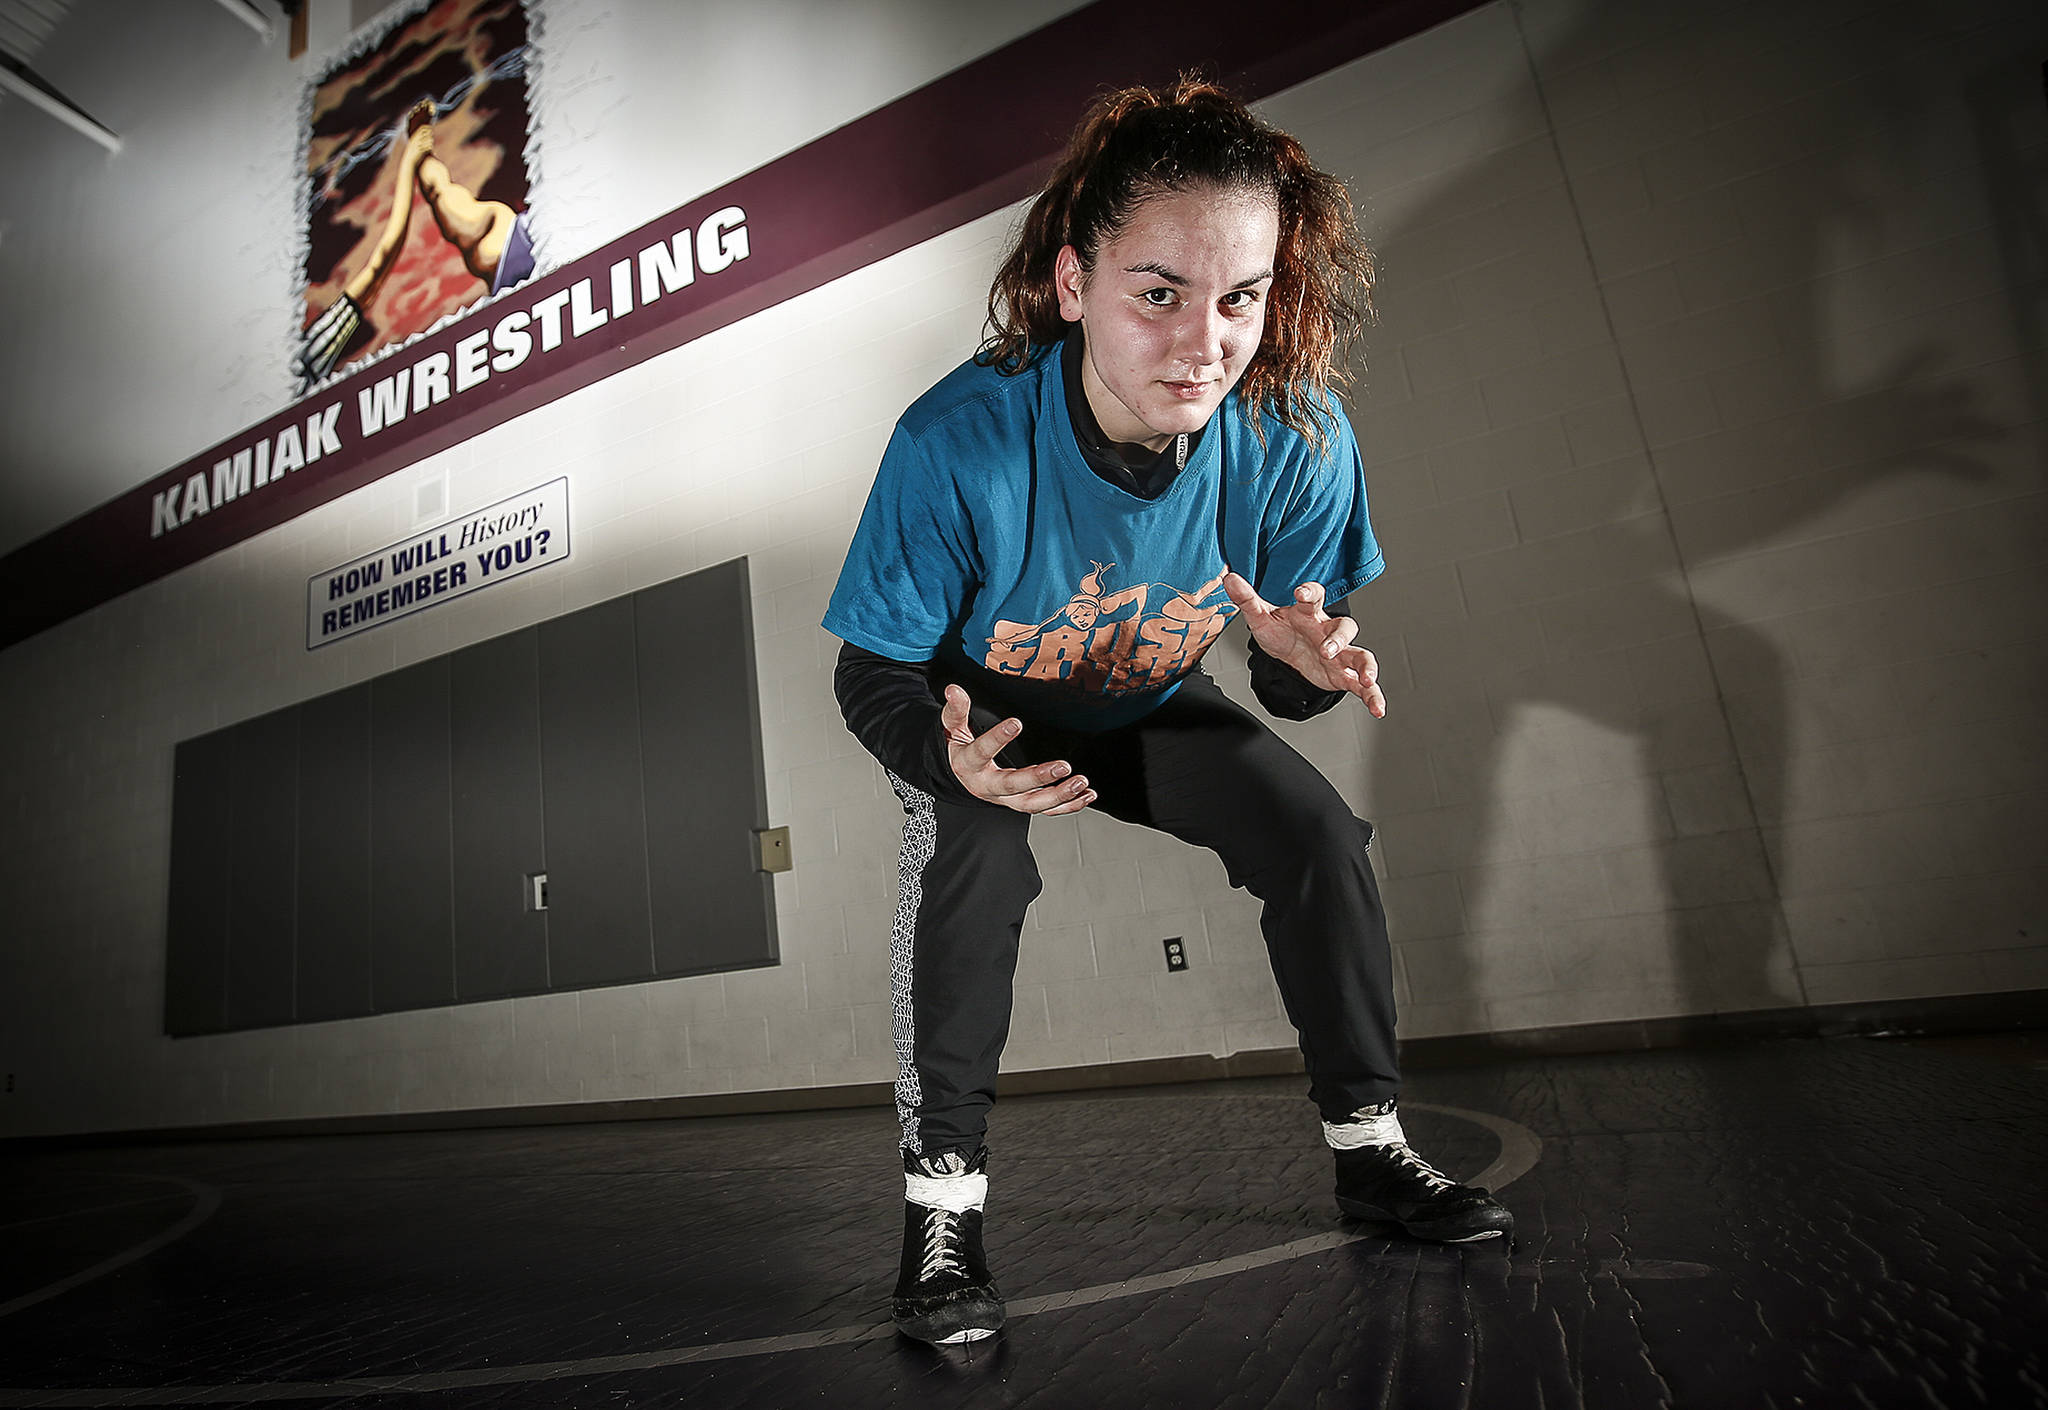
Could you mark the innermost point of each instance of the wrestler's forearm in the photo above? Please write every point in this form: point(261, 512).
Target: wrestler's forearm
point(392, 240)
point(1282, 691)
point(890, 708)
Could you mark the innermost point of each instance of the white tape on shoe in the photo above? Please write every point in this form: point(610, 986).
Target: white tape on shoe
point(954, 1193)
point(1372, 1130)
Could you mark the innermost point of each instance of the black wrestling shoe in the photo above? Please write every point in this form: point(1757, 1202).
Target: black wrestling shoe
point(943, 1290)
point(1391, 1184)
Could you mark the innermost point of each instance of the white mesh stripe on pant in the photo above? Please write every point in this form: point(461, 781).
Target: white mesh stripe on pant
point(920, 838)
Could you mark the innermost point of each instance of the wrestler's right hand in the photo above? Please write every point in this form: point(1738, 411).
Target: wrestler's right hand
point(1044, 789)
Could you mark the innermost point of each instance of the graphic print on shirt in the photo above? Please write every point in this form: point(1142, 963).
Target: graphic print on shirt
point(1114, 642)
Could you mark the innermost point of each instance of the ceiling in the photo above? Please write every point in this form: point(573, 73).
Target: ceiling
point(25, 24)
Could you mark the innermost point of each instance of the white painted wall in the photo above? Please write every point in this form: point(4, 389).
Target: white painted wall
point(1702, 438)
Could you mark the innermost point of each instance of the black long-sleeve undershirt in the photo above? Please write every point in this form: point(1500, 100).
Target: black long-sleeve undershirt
point(1283, 691)
point(892, 708)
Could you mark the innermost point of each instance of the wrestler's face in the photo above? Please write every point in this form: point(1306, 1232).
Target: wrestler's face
point(1172, 311)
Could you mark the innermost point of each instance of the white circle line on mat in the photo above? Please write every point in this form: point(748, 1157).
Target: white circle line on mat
point(1520, 1148)
point(205, 1200)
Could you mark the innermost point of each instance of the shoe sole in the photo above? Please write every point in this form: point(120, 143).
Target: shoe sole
point(920, 1329)
point(1372, 1213)
point(949, 1324)
point(970, 1334)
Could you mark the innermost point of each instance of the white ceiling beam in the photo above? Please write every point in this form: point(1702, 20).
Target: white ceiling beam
point(247, 12)
point(16, 78)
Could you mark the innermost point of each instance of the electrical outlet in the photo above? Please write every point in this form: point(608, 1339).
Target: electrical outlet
point(1176, 955)
point(537, 891)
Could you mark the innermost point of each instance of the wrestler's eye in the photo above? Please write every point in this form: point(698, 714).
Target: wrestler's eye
point(1240, 300)
point(1160, 298)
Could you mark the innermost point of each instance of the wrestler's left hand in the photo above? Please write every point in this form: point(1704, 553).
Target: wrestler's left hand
point(1316, 645)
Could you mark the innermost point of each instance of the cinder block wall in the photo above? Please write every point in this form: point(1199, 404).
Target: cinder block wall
point(1704, 429)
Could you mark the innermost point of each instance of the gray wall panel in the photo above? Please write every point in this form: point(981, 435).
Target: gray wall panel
point(334, 856)
point(263, 876)
point(202, 832)
point(494, 732)
point(706, 788)
point(367, 851)
point(591, 771)
point(412, 959)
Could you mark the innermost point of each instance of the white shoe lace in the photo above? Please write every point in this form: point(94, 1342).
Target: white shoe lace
point(1405, 1154)
point(941, 1245)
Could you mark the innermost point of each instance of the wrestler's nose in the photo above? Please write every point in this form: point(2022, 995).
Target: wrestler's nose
point(1204, 336)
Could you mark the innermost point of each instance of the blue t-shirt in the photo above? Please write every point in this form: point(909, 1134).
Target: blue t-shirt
point(987, 543)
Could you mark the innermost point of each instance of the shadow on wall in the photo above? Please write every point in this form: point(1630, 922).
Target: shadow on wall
point(1584, 807)
point(2016, 179)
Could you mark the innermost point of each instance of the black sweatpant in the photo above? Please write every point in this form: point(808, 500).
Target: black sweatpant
point(1205, 770)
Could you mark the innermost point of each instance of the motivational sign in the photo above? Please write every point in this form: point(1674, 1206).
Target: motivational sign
point(493, 545)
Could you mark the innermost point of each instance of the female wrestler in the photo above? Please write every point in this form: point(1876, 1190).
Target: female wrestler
point(1153, 419)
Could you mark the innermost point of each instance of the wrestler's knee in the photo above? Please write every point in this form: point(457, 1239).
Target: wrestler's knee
point(1325, 832)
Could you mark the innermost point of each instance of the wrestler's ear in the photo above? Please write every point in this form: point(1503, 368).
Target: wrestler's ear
point(1067, 275)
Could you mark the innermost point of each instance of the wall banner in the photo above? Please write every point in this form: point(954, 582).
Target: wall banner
point(928, 162)
point(416, 179)
point(451, 560)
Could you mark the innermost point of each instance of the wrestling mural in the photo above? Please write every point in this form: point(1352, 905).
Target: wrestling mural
point(416, 180)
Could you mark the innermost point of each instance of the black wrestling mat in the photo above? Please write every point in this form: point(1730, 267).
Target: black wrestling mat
point(1840, 1223)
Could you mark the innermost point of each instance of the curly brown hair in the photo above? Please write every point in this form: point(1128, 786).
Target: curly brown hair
point(1139, 143)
